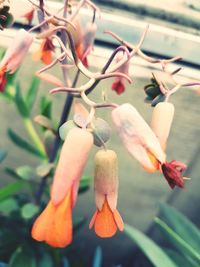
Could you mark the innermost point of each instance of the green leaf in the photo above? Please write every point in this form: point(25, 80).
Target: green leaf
point(181, 245)
point(181, 225)
point(22, 258)
point(26, 172)
point(32, 92)
point(179, 259)
point(44, 169)
point(85, 183)
point(45, 107)
point(153, 252)
point(20, 103)
point(29, 210)
point(11, 189)
point(23, 143)
point(9, 205)
point(3, 154)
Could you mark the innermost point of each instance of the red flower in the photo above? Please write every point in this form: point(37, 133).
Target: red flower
point(29, 15)
point(173, 173)
point(118, 87)
point(45, 51)
point(3, 81)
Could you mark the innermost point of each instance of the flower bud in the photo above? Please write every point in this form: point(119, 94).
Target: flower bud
point(161, 121)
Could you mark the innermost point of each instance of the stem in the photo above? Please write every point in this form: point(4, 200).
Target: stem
point(34, 136)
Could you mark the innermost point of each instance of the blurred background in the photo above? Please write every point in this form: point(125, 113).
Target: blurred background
point(174, 30)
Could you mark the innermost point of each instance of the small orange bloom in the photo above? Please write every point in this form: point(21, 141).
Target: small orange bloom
point(54, 225)
point(106, 220)
point(45, 52)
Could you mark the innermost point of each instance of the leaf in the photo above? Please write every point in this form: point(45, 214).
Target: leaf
point(153, 252)
point(25, 172)
point(177, 241)
point(20, 142)
point(97, 258)
point(32, 92)
point(29, 210)
point(85, 183)
point(3, 154)
point(45, 261)
point(9, 205)
point(11, 189)
point(181, 225)
point(44, 169)
point(21, 258)
point(20, 103)
point(45, 107)
point(45, 122)
point(179, 259)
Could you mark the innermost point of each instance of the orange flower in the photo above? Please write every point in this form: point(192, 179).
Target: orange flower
point(45, 52)
point(106, 220)
point(54, 225)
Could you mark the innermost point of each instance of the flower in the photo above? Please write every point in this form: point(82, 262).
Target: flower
point(45, 51)
point(29, 15)
point(16, 52)
point(142, 144)
point(54, 225)
point(106, 220)
point(119, 83)
point(84, 40)
point(3, 81)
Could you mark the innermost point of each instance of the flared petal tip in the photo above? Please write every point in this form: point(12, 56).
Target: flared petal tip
point(172, 172)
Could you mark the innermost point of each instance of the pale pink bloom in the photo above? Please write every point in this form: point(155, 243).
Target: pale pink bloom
point(137, 136)
point(16, 51)
point(73, 158)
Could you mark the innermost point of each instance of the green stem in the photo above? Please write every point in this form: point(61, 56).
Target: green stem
point(34, 136)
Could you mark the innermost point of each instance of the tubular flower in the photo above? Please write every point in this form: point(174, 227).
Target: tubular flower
point(16, 52)
point(142, 143)
point(119, 83)
point(84, 40)
point(54, 225)
point(106, 220)
point(45, 51)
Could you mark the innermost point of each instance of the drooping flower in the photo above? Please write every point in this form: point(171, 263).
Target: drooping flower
point(142, 143)
point(45, 51)
point(16, 52)
point(106, 220)
point(119, 83)
point(54, 225)
point(84, 39)
point(29, 15)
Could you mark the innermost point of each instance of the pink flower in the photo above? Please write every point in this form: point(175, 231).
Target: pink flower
point(142, 144)
point(119, 83)
point(16, 52)
point(106, 220)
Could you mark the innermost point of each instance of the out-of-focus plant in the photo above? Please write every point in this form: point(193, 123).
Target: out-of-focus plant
point(180, 236)
point(66, 43)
